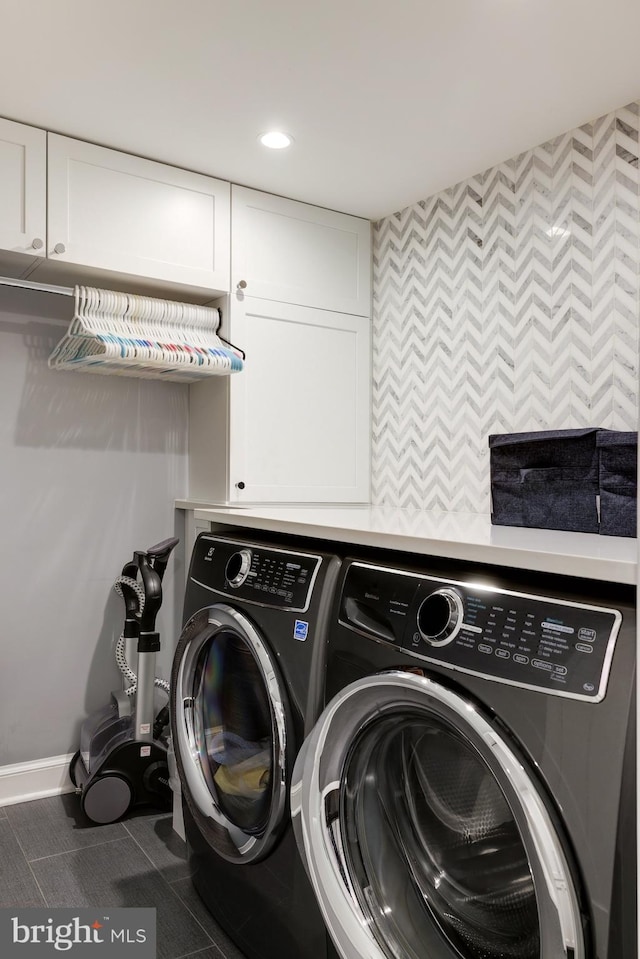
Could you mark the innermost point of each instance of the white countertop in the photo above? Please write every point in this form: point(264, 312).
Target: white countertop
point(467, 536)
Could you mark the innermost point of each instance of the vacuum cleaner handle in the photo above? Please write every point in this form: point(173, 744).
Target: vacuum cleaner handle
point(159, 554)
point(132, 609)
point(130, 569)
point(152, 584)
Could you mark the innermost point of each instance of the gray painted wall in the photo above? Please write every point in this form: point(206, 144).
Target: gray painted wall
point(89, 469)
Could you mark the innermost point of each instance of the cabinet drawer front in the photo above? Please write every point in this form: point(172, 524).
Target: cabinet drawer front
point(291, 252)
point(118, 212)
point(23, 186)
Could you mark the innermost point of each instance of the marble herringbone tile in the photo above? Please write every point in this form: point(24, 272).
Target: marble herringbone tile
point(508, 302)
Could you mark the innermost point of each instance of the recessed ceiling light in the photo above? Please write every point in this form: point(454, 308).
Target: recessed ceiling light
point(276, 140)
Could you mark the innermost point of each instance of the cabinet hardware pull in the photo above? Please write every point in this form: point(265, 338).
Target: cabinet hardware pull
point(240, 485)
point(59, 248)
point(242, 284)
point(37, 244)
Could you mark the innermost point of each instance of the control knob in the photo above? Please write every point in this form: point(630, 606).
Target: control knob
point(237, 568)
point(440, 616)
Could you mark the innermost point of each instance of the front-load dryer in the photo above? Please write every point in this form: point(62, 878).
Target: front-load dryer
point(246, 678)
point(469, 790)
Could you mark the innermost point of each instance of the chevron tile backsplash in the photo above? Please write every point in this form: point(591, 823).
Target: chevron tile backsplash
point(509, 302)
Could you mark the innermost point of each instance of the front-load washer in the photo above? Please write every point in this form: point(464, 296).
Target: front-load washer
point(469, 790)
point(245, 679)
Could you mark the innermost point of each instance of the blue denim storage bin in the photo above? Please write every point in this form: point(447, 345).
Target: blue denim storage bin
point(618, 463)
point(545, 480)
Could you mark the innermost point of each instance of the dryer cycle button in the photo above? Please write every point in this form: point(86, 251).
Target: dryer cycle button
point(539, 664)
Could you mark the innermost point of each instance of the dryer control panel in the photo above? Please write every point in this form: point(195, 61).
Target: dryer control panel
point(255, 574)
point(522, 639)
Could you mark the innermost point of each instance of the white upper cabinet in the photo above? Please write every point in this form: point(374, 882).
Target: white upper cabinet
point(299, 419)
point(23, 186)
point(112, 211)
point(291, 252)
point(294, 425)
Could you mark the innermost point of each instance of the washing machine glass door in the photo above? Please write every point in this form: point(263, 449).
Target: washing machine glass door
point(230, 719)
point(424, 834)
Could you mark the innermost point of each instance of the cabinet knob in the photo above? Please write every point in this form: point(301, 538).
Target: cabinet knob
point(37, 244)
point(59, 248)
point(240, 485)
point(242, 284)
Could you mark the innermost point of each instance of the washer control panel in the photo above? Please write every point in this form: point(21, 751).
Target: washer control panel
point(528, 640)
point(268, 576)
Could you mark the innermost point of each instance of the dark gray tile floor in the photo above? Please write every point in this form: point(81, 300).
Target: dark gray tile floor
point(52, 855)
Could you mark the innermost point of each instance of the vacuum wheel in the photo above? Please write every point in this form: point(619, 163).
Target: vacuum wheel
point(72, 768)
point(106, 799)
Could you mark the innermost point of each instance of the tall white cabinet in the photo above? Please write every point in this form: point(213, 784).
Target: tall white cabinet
point(294, 426)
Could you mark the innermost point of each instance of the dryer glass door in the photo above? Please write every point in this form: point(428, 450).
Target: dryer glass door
point(424, 835)
point(230, 721)
point(431, 841)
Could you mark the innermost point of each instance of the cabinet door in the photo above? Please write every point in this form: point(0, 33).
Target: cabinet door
point(291, 252)
point(23, 185)
point(118, 212)
point(300, 411)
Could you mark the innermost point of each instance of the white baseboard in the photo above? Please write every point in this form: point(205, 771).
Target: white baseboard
point(23, 782)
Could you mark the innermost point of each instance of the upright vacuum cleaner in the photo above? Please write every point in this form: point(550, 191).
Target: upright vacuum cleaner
point(122, 760)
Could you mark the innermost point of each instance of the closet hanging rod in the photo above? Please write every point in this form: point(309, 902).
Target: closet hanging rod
point(38, 287)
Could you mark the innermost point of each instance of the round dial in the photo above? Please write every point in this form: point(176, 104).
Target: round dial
point(238, 567)
point(440, 616)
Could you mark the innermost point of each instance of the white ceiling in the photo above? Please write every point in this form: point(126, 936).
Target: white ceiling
point(389, 101)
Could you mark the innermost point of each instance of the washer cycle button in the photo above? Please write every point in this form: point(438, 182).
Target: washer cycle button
point(584, 647)
point(519, 658)
point(588, 635)
point(503, 654)
point(483, 648)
